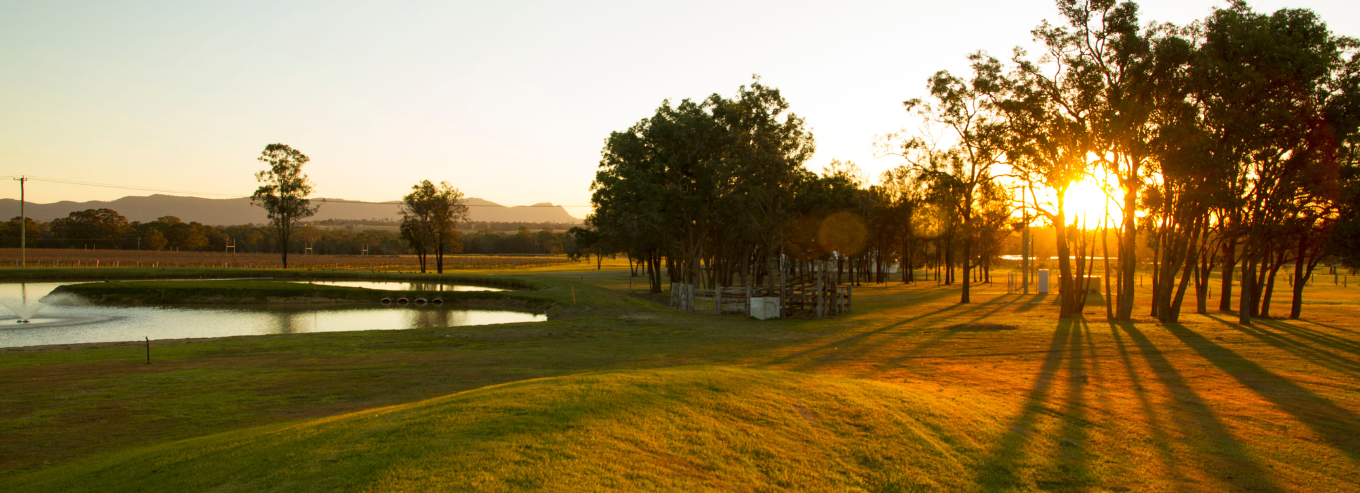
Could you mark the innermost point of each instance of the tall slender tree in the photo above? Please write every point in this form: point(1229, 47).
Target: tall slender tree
point(283, 193)
point(968, 109)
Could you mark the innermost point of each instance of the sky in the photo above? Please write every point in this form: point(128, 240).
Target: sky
point(510, 101)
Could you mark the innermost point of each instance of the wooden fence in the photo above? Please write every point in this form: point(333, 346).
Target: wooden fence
point(720, 301)
point(815, 294)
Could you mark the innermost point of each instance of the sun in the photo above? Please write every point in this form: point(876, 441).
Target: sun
point(1087, 203)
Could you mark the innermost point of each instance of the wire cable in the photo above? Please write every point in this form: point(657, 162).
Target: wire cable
point(232, 196)
point(127, 187)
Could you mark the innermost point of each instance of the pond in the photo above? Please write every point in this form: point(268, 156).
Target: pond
point(65, 319)
point(404, 286)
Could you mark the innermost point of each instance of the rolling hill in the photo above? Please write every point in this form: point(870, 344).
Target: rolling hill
point(678, 429)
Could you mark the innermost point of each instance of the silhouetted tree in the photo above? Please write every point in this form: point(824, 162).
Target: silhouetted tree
point(284, 192)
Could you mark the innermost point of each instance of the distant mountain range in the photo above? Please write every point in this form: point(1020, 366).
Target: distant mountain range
point(215, 212)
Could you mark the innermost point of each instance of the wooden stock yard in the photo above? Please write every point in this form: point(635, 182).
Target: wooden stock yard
point(814, 294)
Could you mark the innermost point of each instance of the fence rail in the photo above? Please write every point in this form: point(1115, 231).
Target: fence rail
point(816, 294)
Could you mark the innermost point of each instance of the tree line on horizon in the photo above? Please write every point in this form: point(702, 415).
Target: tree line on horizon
point(430, 213)
point(106, 229)
point(430, 216)
point(1227, 145)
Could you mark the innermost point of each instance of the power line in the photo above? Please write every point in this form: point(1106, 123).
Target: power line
point(235, 196)
point(127, 187)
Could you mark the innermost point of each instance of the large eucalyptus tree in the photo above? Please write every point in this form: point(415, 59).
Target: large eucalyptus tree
point(283, 192)
point(706, 183)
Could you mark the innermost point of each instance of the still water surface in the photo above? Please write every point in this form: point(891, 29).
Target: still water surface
point(63, 319)
point(404, 286)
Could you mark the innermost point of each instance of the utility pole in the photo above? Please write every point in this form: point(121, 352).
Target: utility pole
point(1024, 241)
point(23, 225)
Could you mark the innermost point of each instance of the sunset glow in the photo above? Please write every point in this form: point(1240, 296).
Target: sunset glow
point(1087, 203)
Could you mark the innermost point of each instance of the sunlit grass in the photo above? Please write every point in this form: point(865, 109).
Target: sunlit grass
point(994, 396)
point(673, 429)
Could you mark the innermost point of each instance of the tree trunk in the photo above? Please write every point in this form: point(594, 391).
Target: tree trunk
point(1248, 278)
point(1128, 253)
point(1275, 265)
point(1191, 261)
point(967, 256)
point(1203, 267)
point(439, 253)
point(283, 243)
point(1229, 266)
point(905, 262)
point(1300, 278)
point(1259, 282)
point(1065, 288)
point(1105, 254)
point(1158, 251)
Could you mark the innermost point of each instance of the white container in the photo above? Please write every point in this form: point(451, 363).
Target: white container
point(1043, 281)
point(765, 308)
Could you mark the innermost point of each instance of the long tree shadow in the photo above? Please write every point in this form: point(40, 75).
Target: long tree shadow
point(1072, 461)
point(859, 338)
point(945, 333)
point(1336, 426)
point(848, 347)
point(989, 313)
point(1197, 415)
point(1160, 439)
point(1316, 336)
point(998, 469)
point(1029, 304)
point(1303, 350)
point(1330, 326)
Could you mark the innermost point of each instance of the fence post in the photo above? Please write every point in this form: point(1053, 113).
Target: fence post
point(819, 297)
point(717, 300)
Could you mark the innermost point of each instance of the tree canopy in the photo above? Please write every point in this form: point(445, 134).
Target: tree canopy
point(283, 192)
point(1227, 144)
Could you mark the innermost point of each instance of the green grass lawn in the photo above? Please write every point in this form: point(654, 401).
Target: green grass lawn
point(669, 429)
point(911, 392)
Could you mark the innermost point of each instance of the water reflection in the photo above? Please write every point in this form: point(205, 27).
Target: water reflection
point(404, 286)
point(66, 320)
point(22, 307)
point(292, 323)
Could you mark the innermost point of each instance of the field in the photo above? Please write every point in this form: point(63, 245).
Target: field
point(911, 392)
point(57, 257)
